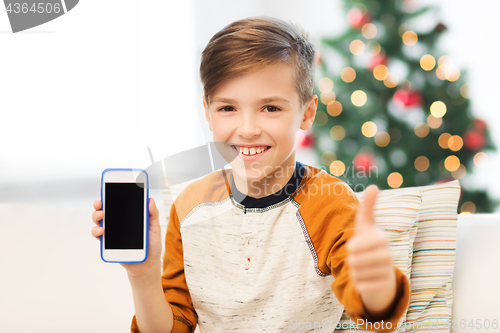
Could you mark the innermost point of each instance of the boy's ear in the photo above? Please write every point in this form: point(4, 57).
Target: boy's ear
point(207, 114)
point(309, 113)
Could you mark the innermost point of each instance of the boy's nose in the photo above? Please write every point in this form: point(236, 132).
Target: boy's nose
point(249, 127)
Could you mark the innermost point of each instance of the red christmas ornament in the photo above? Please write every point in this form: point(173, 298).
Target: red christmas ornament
point(480, 125)
point(358, 18)
point(403, 98)
point(474, 140)
point(306, 140)
point(379, 59)
point(363, 161)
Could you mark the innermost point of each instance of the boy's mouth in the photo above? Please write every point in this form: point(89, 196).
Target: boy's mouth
point(250, 151)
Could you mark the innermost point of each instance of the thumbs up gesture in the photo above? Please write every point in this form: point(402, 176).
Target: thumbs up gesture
point(370, 261)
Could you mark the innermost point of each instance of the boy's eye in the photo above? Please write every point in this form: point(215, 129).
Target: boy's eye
point(272, 108)
point(269, 107)
point(225, 107)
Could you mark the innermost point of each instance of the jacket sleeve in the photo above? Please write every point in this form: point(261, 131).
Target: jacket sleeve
point(343, 285)
point(174, 281)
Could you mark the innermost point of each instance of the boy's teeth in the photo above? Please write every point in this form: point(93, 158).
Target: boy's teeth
point(251, 151)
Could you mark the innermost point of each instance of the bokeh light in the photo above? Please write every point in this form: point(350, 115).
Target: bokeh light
point(464, 90)
point(327, 97)
point(369, 30)
point(369, 129)
point(328, 157)
point(451, 163)
point(321, 118)
point(334, 108)
point(374, 48)
point(380, 72)
point(427, 62)
point(459, 173)
point(421, 163)
point(438, 109)
point(348, 74)
point(382, 139)
point(455, 143)
point(337, 168)
point(434, 122)
point(357, 47)
point(421, 130)
point(325, 85)
point(468, 207)
point(358, 98)
point(337, 132)
point(480, 159)
point(443, 140)
point(391, 80)
point(395, 180)
point(410, 38)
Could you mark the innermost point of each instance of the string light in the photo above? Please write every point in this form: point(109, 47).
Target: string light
point(443, 140)
point(325, 85)
point(357, 47)
point(455, 143)
point(334, 108)
point(369, 30)
point(337, 168)
point(421, 130)
point(395, 180)
point(337, 132)
point(438, 109)
point(321, 118)
point(382, 139)
point(348, 74)
point(369, 129)
point(422, 163)
point(451, 163)
point(410, 38)
point(358, 98)
point(381, 72)
point(427, 62)
point(434, 122)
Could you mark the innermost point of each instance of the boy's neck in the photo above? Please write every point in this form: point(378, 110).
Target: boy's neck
point(268, 185)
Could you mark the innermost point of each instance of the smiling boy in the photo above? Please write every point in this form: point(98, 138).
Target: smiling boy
point(270, 244)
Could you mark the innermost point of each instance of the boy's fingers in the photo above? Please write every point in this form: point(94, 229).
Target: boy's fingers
point(97, 217)
point(97, 231)
point(153, 213)
point(97, 204)
point(364, 216)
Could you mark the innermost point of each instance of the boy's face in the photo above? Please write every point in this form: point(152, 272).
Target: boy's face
point(239, 115)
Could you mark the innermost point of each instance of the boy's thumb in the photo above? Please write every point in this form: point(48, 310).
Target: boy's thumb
point(153, 213)
point(364, 216)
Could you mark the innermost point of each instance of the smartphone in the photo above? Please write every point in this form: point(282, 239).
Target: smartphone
point(125, 204)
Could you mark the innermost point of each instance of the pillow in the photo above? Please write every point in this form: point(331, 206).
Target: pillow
point(396, 214)
point(433, 260)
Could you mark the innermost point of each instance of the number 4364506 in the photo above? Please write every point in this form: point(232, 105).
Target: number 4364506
point(36, 8)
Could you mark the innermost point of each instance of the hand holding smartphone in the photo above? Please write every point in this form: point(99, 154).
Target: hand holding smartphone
point(127, 221)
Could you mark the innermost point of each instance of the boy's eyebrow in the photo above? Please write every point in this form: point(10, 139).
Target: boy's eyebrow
point(263, 100)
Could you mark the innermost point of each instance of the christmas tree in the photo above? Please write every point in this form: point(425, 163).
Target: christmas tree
point(394, 109)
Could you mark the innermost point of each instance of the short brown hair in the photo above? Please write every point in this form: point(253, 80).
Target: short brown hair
point(254, 43)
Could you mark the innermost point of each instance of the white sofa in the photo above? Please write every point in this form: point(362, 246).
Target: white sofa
point(53, 279)
point(477, 267)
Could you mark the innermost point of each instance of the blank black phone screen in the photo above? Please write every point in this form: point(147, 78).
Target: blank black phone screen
point(124, 216)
